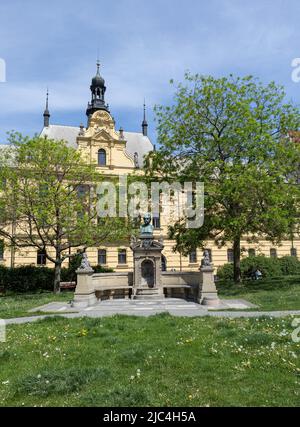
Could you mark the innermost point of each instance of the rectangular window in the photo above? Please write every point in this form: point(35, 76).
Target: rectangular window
point(1, 250)
point(193, 257)
point(122, 256)
point(229, 255)
point(273, 253)
point(294, 252)
point(156, 222)
point(102, 257)
point(251, 252)
point(41, 257)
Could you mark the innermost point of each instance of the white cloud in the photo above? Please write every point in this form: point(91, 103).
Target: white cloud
point(142, 45)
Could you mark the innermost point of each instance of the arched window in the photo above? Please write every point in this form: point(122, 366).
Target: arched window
point(101, 157)
point(163, 263)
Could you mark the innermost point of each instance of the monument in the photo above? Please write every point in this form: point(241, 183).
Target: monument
point(147, 283)
point(208, 294)
point(85, 292)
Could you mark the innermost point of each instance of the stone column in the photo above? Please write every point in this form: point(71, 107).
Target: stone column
point(207, 293)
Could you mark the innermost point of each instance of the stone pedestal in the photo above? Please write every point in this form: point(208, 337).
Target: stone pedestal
point(207, 294)
point(147, 283)
point(84, 292)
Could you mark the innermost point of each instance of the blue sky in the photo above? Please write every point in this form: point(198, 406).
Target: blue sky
point(142, 45)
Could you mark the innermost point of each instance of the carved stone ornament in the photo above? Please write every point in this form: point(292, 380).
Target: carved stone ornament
point(85, 264)
point(145, 243)
point(102, 120)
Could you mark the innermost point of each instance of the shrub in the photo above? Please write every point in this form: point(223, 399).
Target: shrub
point(270, 267)
point(225, 272)
point(34, 279)
point(289, 265)
point(100, 269)
point(26, 278)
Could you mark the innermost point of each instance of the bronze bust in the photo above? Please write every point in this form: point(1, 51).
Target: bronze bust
point(146, 229)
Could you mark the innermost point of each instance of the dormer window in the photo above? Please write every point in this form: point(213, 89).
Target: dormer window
point(102, 157)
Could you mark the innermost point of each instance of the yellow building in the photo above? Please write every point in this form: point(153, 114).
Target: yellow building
point(117, 153)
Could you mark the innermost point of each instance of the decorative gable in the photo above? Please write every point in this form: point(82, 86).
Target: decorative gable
point(101, 135)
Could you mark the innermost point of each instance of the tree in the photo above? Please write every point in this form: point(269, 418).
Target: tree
point(50, 198)
point(234, 135)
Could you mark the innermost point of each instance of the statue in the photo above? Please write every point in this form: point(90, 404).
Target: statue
point(146, 229)
point(81, 130)
point(205, 262)
point(136, 160)
point(85, 264)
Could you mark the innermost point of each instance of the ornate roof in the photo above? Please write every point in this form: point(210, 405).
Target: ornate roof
point(135, 142)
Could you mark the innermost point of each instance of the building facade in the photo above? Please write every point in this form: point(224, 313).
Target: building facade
point(118, 152)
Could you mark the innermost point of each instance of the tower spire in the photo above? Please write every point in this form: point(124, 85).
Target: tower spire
point(98, 89)
point(145, 123)
point(46, 112)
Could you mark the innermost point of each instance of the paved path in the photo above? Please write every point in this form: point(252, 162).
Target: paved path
point(175, 307)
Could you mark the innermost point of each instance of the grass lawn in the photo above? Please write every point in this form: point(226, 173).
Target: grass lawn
point(161, 361)
point(18, 305)
point(267, 294)
point(282, 293)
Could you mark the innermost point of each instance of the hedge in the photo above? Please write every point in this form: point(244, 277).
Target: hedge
point(34, 279)
point(26, 279)
point(270, 267)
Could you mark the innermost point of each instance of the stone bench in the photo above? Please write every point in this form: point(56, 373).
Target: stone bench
point(67, 285)
point(184, 291)
point(111, 291)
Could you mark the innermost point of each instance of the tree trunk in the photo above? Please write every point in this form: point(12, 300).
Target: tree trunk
point(237, 260)
point(57, 272)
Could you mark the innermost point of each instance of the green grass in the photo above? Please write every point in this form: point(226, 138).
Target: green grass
point(160, 361)
point(18, 305)
point(281, 293)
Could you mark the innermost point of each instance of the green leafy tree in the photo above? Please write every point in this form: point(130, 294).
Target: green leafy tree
point(234, 135)
point(49, 201)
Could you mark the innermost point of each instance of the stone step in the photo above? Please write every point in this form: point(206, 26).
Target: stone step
point(148, 294)
point(147, 291)
point(148, 297)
